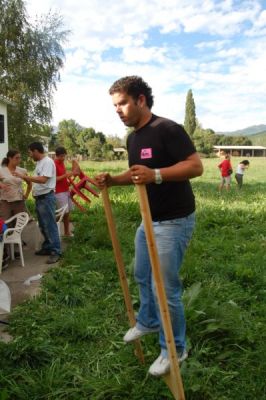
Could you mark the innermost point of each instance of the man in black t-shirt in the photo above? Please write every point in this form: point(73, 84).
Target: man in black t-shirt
point(162, 156)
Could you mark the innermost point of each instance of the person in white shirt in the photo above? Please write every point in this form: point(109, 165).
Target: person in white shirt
point(240, 172)
point(44, 181)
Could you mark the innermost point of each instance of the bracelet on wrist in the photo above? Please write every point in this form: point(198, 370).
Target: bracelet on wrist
point(158, 177)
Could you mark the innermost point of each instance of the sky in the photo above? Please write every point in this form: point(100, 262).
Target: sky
point(216, 48)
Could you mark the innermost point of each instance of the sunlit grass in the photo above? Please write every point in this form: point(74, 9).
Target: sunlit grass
point(68, 342)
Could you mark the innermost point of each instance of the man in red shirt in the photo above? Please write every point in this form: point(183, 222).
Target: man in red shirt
point(62, 188)
point(226, 171)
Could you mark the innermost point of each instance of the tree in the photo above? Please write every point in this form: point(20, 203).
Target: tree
point(31, 56)
point(101, 137)
point(84, 136)
point(242, 141)
point(53, 143)
point(190, 114)
point(204, 139)
point(68, 133)
point(115, 141)
point(94, 147)
point(108, 151)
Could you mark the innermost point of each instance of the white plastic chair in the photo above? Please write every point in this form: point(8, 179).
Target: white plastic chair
point(12, 236)
point(59, 214)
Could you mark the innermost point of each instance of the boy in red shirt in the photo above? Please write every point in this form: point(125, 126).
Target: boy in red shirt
point(62, 187)
point(226, 171)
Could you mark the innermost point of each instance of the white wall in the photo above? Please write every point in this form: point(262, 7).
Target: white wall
point(4, 146)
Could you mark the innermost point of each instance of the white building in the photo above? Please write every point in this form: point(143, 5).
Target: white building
point(241, 151)
point(3, 126)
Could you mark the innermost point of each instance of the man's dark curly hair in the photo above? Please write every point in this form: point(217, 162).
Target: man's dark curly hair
point(134, 86)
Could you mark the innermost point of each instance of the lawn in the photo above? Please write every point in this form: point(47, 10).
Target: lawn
point(68, 341)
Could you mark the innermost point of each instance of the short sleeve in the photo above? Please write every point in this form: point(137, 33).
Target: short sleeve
point(178, 143)
point(48, 169)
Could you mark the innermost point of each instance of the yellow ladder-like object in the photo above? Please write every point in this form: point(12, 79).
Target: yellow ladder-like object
point(173, 377)
point(121, 269)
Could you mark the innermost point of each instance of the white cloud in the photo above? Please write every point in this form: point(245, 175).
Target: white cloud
point(144, 54)
point(213, 44)
point(216, 48)
point(87, 101)
point(259, 27)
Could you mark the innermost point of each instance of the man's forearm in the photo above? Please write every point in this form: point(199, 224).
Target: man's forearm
point(35, 179)
point(122, 179)
point(28, 190)
point(187, 169)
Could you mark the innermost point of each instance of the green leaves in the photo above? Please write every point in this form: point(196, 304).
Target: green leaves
point(190, 114)
point(31, 56)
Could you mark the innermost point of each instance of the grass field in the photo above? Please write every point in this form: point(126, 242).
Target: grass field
point(68, 342)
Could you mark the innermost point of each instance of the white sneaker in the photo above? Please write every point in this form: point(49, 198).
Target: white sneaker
point(183, 357)
point(162, 364)
point(135, 333)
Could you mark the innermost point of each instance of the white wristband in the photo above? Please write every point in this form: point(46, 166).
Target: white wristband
point(158, 177)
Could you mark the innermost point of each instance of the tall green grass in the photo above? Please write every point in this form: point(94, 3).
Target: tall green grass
point(68, 342)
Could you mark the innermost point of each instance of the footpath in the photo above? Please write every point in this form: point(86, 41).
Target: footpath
point(15, 275)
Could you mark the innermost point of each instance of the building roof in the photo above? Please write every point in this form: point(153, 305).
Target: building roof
point(239, 147)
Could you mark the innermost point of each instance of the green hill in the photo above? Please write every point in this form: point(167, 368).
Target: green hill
point(251, 130)
point(258, 139)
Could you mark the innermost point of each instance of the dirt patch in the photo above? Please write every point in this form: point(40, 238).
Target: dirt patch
point(15, 275)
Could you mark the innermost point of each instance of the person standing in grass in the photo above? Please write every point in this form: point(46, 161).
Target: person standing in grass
point(162, 156)
point(12, 195)
point(44, 181)
point(240, 172)
point(226, 171)
point(62, 193)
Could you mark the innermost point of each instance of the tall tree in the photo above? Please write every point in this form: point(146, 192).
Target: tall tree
point(190, 114)
point(94, 147)
point(115, 141)
point(31, 56)
point(67, 135)
point(204, 139)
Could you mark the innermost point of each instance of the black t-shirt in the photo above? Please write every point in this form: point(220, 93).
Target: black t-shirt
point(162, 143)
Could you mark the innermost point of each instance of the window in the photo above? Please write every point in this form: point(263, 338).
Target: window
point(2, 129)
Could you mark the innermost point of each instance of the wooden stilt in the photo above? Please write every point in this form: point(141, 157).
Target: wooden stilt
point(173, 378)
point(121, 269)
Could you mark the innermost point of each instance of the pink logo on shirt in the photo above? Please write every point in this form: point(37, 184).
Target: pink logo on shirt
point(146, 153)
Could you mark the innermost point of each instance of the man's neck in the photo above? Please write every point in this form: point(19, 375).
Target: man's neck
point(41, 156)
point(144, 120)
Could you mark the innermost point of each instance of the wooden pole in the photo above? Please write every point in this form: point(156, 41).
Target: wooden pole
point(173, 378)
point(121, 269)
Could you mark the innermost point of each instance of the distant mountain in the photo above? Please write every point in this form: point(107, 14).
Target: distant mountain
point(251, 130)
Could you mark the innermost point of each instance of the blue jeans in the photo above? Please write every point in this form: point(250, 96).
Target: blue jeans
point(45, 210)
point(172, 238)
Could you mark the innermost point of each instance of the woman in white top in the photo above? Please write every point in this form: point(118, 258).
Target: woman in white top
point(12, 196)
point(240, 172)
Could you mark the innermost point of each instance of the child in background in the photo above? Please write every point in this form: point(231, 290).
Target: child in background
point(62, 187)
point(240, 172)
point(226, 171)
